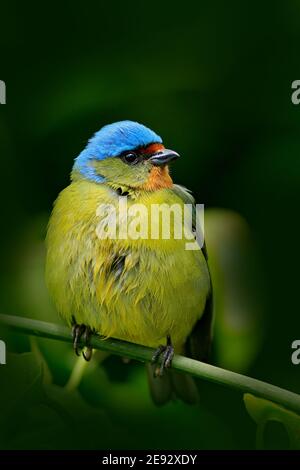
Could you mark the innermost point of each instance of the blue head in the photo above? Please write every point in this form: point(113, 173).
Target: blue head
point(122, 153)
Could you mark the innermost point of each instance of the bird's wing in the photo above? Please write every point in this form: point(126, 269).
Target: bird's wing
point(198, 343)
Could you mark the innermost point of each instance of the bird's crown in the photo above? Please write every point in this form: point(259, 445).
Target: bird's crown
point(111, 141)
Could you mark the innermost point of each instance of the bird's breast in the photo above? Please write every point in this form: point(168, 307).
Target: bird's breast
point(133, 289)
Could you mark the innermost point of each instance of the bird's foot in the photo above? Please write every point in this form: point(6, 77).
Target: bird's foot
point(166, 353)
point(82, 334)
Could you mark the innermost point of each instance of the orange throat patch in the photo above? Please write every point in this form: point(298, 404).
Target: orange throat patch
point(159, 178)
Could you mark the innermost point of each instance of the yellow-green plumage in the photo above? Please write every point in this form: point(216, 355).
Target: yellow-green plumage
point(135, 290)
point(143, 290)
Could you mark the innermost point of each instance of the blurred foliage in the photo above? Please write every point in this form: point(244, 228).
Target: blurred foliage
point(40, 415)
point(214, 80)
point(237, 296)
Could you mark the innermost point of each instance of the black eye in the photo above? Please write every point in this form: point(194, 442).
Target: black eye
point(131, 158)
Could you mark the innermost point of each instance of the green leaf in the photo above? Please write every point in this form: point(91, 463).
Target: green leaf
point(277, 427)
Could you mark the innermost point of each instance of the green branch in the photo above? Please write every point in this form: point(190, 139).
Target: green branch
point(141, 353)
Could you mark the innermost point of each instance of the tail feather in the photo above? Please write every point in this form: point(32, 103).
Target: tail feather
point(170, 386)
point(184, 388)
point(160, 387)
point(173, 384)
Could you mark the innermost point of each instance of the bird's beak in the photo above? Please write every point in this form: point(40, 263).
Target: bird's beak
point(163, 157)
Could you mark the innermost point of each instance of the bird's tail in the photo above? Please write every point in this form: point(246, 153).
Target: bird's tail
point(172, 385)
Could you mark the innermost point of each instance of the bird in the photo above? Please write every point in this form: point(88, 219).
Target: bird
point(153, 292)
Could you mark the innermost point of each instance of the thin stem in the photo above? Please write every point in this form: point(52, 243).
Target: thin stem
point(76, 374)
point(197, 369)
point(79, 368)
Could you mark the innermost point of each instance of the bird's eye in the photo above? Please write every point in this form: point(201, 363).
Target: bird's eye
point(131, 158)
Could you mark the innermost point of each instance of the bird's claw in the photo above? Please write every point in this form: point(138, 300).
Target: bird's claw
point(166, 353)
point(82, 334)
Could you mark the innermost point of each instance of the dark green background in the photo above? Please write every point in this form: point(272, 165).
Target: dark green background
point(214, 79)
